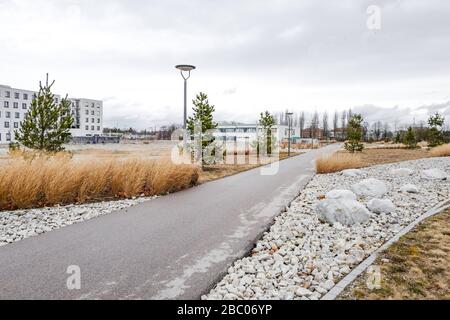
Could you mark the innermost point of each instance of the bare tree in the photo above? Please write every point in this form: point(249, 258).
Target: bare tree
point(335, 123)
point(301, 122)
point(343, 124)
point(325, 125)
point(314, 124)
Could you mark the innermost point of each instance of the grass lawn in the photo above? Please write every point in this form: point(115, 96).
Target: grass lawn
point(214, 172)
point(416, 267)
point(370, 157)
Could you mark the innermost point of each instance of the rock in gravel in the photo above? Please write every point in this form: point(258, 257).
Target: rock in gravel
point(345, 211)
point(370, 188)
point(402, 172)
point(302, 292)
point(434, 174)
point(340, 194)
point(352, 172)
point(409, 188)
point(381, 206)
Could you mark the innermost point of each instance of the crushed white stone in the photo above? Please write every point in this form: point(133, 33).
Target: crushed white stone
point(303, 258)
point(20, 224)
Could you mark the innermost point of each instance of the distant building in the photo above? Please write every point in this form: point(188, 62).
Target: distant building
point(251, 132)
point(15, 103)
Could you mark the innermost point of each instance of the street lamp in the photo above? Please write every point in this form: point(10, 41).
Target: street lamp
point(289, 115)
point(185, 71)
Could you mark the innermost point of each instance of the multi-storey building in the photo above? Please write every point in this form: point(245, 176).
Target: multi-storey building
point(87, 117)
point(15, 103)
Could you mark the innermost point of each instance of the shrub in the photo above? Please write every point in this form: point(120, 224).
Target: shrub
point(337, 162)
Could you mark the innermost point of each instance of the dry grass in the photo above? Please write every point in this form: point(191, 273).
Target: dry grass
point(368, 157)
point(217, 171)
point(441, 151)
point(46, 181)
point(416, 267)
point(337, 161)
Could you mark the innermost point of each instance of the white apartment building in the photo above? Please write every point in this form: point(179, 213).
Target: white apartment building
point(14, 105)
point(87, 117)
point(250, 132)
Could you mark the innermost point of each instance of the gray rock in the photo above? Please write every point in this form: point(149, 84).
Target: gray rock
point(370, 188)
point(345, 211)
point(409, 188)
point(381, 206)
point(340, 194)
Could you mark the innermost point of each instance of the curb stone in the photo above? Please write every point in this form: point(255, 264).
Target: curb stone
point(348, 279)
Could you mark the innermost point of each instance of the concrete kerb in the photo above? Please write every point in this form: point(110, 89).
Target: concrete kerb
point(341, 285)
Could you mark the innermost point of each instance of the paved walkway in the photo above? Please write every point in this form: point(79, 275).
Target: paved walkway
point(173, 247)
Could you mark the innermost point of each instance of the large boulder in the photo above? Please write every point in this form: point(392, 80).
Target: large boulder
point(381, 206)
point(409, 188)
point(345, 211)
point(352, 172)
point(402, 172)
point(370, 188)
point(434, 174)
point(340, 194)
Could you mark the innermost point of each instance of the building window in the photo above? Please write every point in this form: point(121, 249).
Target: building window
point(87, 127)
point(87, 112)
point(16, 125)
point(6, 124)
point(92, 112)
point(24, 105)
point(8, 136)
point(7, 94)
point(25, 96)
point(0, 137)
point(6, 104)
point(98, 128)
point(93, 120)
point(15, 105)
point(98, 120)
point(92, 128)
point(8, 114)
point(56, 100)
point(16, 95)
point(87, 120)
point(17, 115)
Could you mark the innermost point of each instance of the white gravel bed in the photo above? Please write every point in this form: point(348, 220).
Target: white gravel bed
point(20, 224)
point(301, 257)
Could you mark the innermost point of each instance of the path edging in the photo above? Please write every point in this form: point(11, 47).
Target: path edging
point(348, 279)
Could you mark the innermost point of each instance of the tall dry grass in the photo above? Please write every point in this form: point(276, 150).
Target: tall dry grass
point(441, 151)
point(47, 181)
point(337, 161)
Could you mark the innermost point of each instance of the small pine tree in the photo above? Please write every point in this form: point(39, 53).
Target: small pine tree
point(47, 124)
point(203, 113)
point(410, 139)
point(435, 136)
point(266, 121)
point(398, 137)
point(354, 133)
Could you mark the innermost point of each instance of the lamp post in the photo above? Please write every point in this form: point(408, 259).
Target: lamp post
point(185, 71)
point(289, 115)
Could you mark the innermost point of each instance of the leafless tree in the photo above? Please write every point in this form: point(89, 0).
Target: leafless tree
point(335, 123)
point(314, 124)
point(343, 123)
point(301, 122)
point(325, 125)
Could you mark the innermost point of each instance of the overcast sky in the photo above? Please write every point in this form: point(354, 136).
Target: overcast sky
point(251, 55)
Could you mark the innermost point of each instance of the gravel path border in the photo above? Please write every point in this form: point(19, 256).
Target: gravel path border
point(346, 281)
